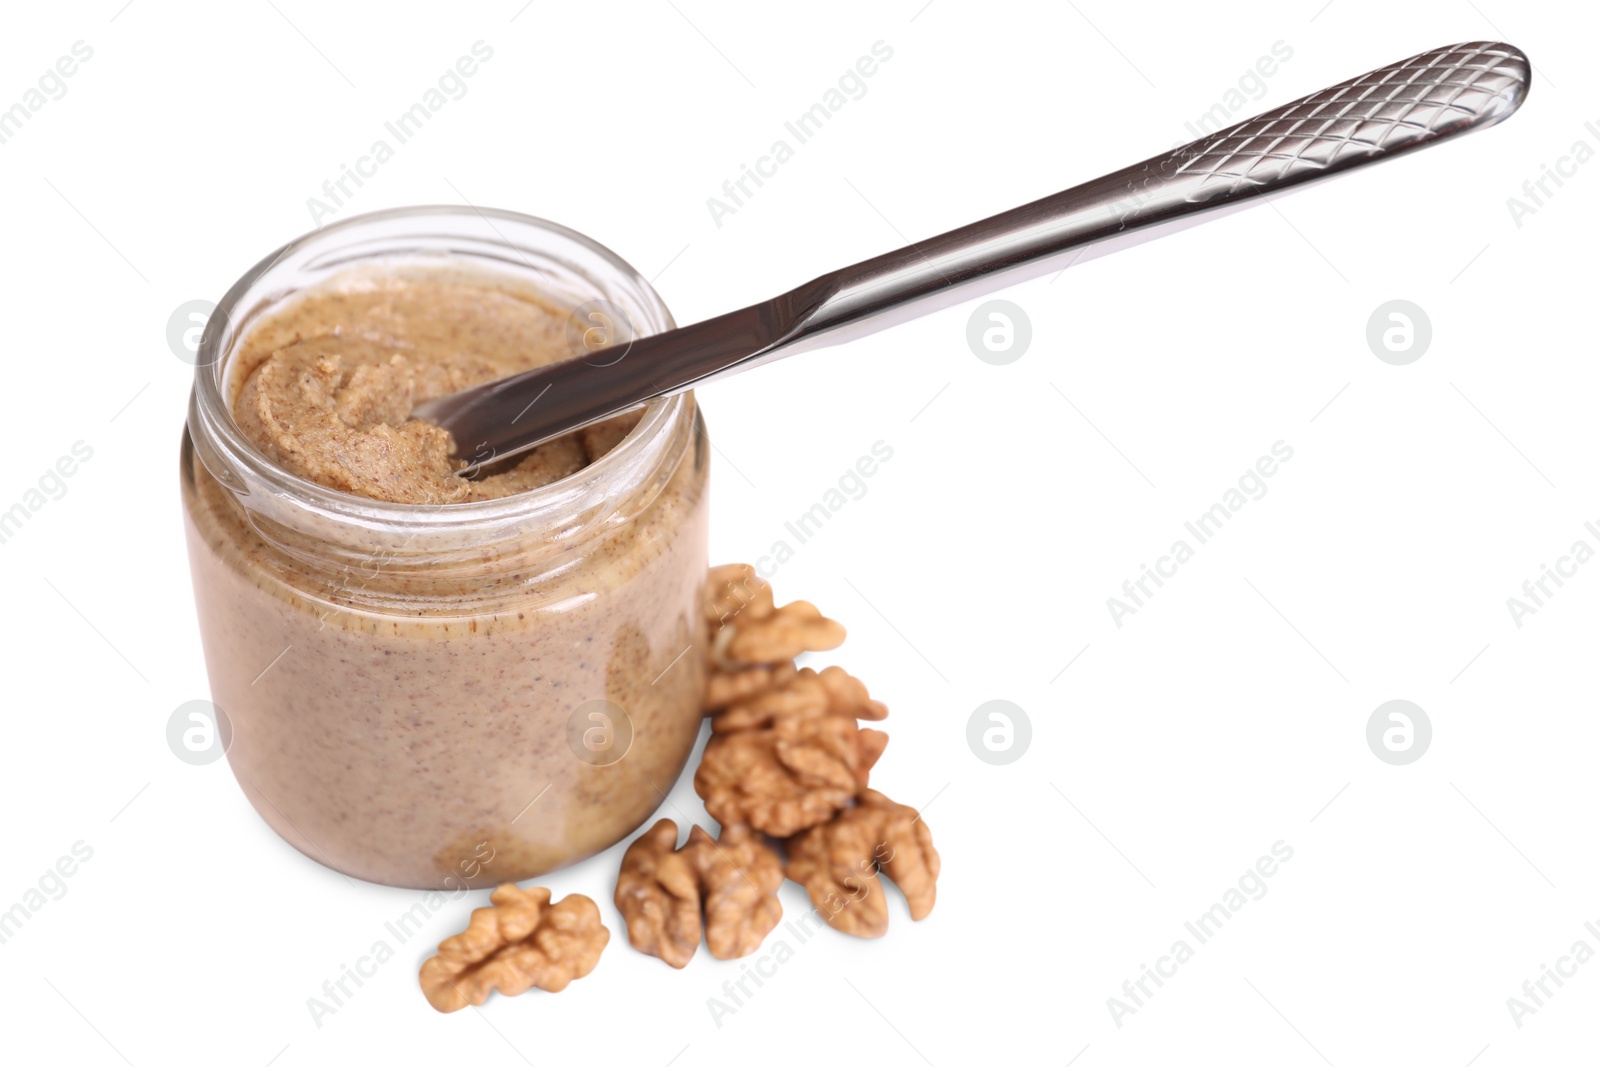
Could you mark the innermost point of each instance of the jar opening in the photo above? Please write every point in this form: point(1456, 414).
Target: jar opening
point(316, 523)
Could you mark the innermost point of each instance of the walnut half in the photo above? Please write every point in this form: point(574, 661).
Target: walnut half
point(658, 894)
point(787, 758)
point(754, 642)
point(739, 877)
point(662, 889)
point(519, 942)
point(839, 861)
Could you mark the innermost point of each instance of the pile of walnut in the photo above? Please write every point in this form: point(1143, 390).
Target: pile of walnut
point(789, 759)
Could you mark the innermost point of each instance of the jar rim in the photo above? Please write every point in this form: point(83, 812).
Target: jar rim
point(236, 461)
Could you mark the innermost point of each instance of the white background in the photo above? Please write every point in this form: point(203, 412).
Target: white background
point(1227, 715)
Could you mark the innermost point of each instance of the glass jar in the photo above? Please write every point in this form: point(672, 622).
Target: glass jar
point(466, 693)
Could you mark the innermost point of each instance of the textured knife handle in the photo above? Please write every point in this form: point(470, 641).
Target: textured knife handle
point(1381, 114)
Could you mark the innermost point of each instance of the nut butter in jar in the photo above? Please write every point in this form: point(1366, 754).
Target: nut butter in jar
point(430, 681)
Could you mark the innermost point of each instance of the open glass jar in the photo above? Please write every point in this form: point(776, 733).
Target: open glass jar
point(466, 693)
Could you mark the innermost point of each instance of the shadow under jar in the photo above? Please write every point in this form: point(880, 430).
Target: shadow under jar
point(462, 693)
